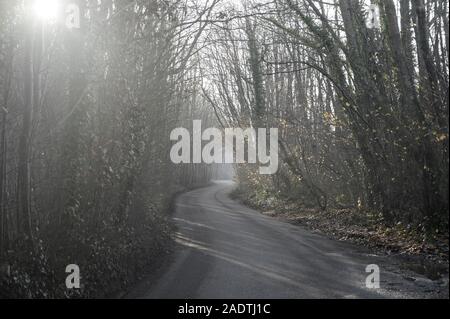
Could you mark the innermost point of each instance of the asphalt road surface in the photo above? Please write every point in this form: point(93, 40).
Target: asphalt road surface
point(226, 250)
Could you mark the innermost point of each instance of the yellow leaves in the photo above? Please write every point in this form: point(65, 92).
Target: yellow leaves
point(331, 119)
point(440, 137)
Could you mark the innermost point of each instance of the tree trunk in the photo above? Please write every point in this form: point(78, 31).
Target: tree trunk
point(23, 169)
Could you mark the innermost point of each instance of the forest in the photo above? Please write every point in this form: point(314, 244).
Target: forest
point(91, 89)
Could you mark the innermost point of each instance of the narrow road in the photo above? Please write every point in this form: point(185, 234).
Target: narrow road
point(226, 250)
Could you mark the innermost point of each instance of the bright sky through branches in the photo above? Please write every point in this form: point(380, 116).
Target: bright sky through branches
point(46, 10)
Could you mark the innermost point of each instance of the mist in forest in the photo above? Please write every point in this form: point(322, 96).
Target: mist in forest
point(90, 91)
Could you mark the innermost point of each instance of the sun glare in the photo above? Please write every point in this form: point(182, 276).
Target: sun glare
point(46, 9)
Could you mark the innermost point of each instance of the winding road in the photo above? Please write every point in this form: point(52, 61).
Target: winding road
point(226, 250)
